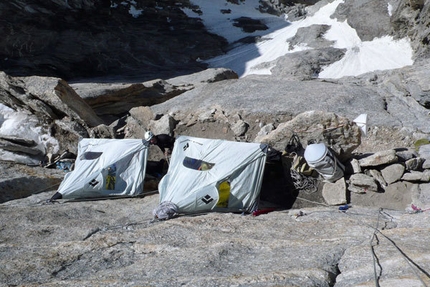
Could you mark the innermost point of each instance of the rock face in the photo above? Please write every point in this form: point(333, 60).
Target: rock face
point(46, 98)
point(114, 100)
point(81, 39)
point(76, 39)
point(58, 110)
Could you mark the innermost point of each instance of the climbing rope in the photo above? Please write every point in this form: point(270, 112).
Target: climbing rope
point(407, 259)
point(410, 262)
point(374, 256)
point(304, 183)
point(414, 266)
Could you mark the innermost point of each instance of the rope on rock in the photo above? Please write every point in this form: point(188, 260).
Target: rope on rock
point(414, 266)
point(304, 183)
point(374, 256)
point(410, 262)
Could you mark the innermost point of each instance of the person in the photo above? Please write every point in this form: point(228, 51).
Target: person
point(163, 141)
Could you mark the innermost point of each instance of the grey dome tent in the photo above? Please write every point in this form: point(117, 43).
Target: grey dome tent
point(106, 167)
point(213, 175)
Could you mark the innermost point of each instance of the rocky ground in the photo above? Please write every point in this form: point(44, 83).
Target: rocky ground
point(114, 243)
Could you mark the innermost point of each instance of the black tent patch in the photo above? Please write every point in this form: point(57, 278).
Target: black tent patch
point(207, 199)
point(93, 182)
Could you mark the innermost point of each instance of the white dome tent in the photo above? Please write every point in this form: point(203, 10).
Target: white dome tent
point(106, 167)
point(213, 175)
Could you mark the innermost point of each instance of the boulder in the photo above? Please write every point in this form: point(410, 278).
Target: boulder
point(361, 183)
point(47, 98)
point(335, 193)
point(339, 133)
point(137, 122)
point(393, 173)
point(111, 101)
point(379, 158)
point(165, 125)
point(377, 175)
point(416, 176)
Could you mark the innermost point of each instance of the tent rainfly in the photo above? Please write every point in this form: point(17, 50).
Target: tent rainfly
point(213, 175)
point(106, 167)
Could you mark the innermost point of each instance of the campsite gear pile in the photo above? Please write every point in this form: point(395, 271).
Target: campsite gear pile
point(307, 164)
point(303, 176)
point(65, 161)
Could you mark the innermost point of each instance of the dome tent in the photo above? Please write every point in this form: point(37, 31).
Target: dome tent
point(106, 167)
point(213, 175)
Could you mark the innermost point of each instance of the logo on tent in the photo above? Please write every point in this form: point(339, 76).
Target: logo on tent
point(94, 182)
point(186, 147)
point(207, 199)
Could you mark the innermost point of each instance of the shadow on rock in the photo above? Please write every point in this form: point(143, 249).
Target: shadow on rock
point(23, 187)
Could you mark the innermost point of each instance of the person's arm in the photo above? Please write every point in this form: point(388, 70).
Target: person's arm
point(161, 147)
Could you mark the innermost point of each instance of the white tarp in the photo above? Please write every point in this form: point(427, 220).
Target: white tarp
point(210, 174)
point(106, 167)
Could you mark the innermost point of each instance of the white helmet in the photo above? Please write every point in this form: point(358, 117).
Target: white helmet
point(148, 136)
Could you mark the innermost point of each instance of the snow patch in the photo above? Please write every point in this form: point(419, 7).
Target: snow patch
point(245, 59)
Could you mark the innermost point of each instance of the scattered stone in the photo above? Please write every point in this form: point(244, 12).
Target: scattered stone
point(239, 128)
point(265, 130)
point(335, 193)
point(393, 173)
point(413, 176)
point(361, 183)
point(414, 164)
point(142, 114)
point(424, 151)
point(405, 155)
point(355, 166)
point(417, 176)
point(207, 116)
point(426, 164)
point(102, 132)
point(379, 158)
point(137, 122)
point(165, 125)
point(377, 175)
